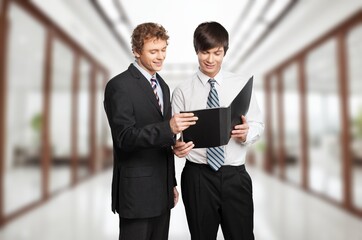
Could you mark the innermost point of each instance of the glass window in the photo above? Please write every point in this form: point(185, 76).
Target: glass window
point(292, 132)
point(24, 111)
point(324, 121)
point(102, 124)
point(258, 148)
point(275, 127)
point(84, 120)
point(354, 47)
point(60, 116)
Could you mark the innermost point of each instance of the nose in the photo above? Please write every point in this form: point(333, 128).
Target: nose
point(161, 55)
point(210, 58)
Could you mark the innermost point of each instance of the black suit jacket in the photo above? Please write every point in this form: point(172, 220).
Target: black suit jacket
point(143, 168)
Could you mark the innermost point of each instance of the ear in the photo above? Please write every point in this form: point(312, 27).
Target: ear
point(136, 54)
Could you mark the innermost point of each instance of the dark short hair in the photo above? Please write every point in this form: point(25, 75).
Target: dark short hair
point(209, 35)
point(147, 31)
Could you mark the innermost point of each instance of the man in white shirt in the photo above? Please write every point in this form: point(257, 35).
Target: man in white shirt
point(216, 188)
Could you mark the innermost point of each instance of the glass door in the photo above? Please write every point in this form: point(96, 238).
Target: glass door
point(24, 111)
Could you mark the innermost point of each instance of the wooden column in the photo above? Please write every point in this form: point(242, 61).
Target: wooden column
point(303, 122)
point(281, 126)
point(74, 122)
point(345, 137)
point(269, 153)
point(92, 119)
point(46, 145)
point(3, 82)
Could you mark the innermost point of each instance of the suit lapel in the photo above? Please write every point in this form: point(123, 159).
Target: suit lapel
point(145, 86)
point(166, 95)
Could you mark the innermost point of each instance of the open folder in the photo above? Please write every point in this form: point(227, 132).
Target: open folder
point(214, 125)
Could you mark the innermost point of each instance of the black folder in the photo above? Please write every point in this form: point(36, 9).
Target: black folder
point(214, 125)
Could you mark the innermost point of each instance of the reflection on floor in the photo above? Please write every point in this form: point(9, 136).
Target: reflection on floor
point(282, 212)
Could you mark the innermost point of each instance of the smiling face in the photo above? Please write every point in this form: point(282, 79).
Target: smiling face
point(210, 61)
point(152, 55)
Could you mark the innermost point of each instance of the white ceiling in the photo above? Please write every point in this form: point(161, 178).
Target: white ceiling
point(246, 21)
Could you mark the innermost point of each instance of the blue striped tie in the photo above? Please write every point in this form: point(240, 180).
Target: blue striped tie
point(215, 156)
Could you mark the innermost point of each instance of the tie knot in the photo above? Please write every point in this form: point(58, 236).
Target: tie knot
point(212, 82)
point(153, 82)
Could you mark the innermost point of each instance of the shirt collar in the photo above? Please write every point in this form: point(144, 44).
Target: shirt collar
point(144, 72)
point(204, 78)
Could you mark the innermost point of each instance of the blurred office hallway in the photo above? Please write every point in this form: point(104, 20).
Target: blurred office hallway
point(282, 212)
point(55, 144)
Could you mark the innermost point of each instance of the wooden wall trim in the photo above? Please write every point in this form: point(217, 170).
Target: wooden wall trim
point(345, 134)
point(303, 122)
point(92, 120)
point(74, 120)
point(47, 80)
point(3, 72)
point(281, 132)
point(269, 154)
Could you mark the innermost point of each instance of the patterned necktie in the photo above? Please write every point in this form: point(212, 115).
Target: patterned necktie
point(215, 156)
point(154, 87)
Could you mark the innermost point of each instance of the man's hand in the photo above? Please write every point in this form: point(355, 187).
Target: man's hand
point(175, 196)
point(181, 149)
point(181, 121)
point(241, 131)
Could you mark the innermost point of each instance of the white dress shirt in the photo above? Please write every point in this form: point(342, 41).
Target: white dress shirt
point(148, 77)
point(192, 95)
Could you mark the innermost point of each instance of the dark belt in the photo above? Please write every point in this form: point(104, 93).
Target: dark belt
point(222, 168)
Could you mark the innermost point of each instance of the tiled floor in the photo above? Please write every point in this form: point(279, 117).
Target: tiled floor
point(282, 212)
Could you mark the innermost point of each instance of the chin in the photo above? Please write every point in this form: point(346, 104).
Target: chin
point(157, 68)
point(209, 71)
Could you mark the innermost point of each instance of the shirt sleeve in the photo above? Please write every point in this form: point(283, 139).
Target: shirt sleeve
point(255, 121)
point(177, 101)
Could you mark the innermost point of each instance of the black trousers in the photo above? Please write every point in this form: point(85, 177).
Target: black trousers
point(155, 228)
point(218, 198)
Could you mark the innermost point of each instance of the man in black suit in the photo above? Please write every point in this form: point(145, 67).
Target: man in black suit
point(137, 103)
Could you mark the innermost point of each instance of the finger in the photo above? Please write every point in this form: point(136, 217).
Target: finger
point(189, 144)
point(189, 148)
point(185, 147)
point(185, 124)
point(185, 115)
point(237, 136)
point(242, 126)
point(238, 132)
point(185, 120)
point(185, 151)
point(179, 144)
